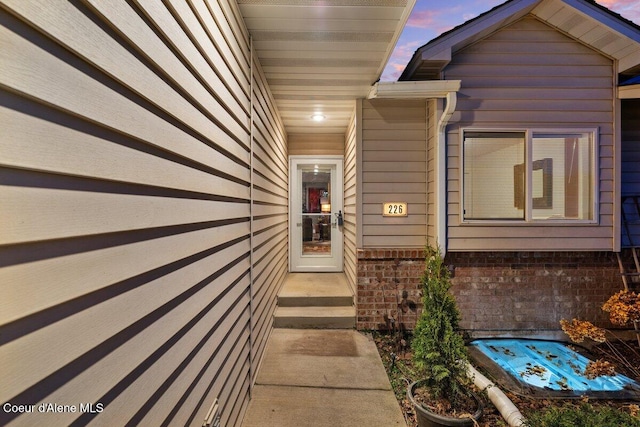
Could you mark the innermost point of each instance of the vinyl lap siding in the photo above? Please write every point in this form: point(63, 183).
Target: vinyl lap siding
point(270, 212)
point(316, 144)
point(350, 204)
point(125, 180)
point(394, 170)
point(529, 75)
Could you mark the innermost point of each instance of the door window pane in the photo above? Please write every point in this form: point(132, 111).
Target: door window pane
point(316, 210)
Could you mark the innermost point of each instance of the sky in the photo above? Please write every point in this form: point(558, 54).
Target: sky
point(430, 18)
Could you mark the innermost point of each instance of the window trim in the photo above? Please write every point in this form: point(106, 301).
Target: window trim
point(528, 214)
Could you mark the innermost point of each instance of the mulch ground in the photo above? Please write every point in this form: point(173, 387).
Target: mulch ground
point(396, 357)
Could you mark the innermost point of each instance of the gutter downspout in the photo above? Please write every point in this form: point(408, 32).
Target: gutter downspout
point(441, 171)
point(505, 406)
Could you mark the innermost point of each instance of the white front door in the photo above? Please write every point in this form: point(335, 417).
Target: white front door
point(315, 237)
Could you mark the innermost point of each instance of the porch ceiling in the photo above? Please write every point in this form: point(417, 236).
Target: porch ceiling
point(319, 56)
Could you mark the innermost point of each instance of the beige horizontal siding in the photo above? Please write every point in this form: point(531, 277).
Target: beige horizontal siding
point(540, 244)
point(134, 245)
point(350, 203)
point(270, 214)
point(102, 213)
point(394, 162)
point(531, 232)
point(316, 144)
point(526, 76)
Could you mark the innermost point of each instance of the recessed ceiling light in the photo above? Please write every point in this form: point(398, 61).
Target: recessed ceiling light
point(318, 117)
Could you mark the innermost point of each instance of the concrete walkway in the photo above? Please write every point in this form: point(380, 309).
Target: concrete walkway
point(320, 378)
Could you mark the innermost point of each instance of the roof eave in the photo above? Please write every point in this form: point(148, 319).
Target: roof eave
point(449, 42)
point(613, 21)
point(607, 17)
point(481, 26)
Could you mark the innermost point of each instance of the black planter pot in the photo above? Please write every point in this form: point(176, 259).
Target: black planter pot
point(429, 419)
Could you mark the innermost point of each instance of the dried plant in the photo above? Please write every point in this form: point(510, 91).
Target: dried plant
point(599, 368)
point(578, 330)
point(624, 310)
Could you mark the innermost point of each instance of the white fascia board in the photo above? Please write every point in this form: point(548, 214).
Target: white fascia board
point(629, 92)
point(413, 89)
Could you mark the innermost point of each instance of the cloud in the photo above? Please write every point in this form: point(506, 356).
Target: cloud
point(399, 60)
point(405, 51)
point(629, 9)
point(422, 18)
point(438, 20)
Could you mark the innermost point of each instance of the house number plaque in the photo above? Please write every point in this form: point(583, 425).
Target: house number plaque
point(395, 209)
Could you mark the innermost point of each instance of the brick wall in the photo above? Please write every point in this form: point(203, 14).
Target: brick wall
point(515, 291)
point(498, 292)
point(384, 276)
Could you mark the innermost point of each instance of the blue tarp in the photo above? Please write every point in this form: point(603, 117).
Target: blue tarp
point(548, 365)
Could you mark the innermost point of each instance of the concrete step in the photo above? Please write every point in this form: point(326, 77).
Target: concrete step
point(325, 317)
point(285, 300)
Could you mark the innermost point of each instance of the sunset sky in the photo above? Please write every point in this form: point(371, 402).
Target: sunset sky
point(430, 18)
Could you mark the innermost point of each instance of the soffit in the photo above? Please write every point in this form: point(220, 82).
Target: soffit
point(594, 27)
point(322, 55)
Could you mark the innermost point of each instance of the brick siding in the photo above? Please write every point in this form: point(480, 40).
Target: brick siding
point(383, 275)
point(496, 291)
point(532, 290)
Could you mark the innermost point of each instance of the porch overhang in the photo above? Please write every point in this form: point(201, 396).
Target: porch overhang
point(319, 56)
